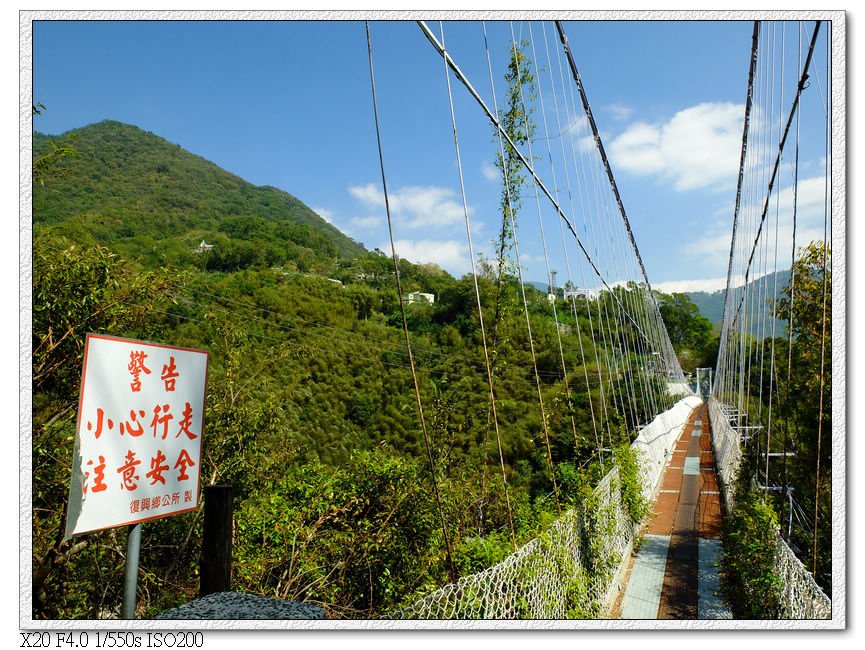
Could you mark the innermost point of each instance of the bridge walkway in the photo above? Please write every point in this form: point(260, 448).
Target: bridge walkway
point(675, 573)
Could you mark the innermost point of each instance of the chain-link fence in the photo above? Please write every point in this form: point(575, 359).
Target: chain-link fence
point(568, 572)
point(801, 596)
point(575, 568)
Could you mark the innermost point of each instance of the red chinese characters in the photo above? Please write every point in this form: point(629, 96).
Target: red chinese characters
point(136, 367)
point(154, 503)
point(99, 484)
point(101, 420)
point(186, 422)
point(184, 460)
point(127, 472)
point(138, 435)
point(157, 468)
point(163, 419)
point(169, 375)
point(132, 426)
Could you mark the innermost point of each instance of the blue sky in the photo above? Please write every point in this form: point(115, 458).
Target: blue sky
point(288, 104)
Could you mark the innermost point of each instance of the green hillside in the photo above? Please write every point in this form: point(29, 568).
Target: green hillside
point(312, 400)
point(151, 200)
point(711, 303)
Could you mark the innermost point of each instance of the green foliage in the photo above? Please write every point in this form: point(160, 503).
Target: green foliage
point(311, 413)
point(477, 553)
point(76, 290)
point(80, 289)
point(627, 460)
point(517, 122)
point(692, 335)
point(355, 538)
point(48, 165)
point(150, 199)
point(798, 385)
point(750, 545)
point(598, 526)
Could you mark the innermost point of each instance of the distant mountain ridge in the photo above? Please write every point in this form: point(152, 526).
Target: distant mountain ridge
point(711, 304)
point(135, 191)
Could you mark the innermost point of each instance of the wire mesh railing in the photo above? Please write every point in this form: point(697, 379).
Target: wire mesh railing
point(568, 572)
point(801, 596)
point(575, 568)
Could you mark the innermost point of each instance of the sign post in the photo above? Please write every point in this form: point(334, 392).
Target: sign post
point(130, 575)
point(138, 440)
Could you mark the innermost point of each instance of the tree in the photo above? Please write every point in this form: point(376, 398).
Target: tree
point(517, 123)
point(75, 290)
point(807, 306)
point(691, 334)
point(46, 165)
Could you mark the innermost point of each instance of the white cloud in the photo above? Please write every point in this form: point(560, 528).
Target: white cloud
point(578, 125)
point(489, 171)
point(418, 207)
point(698, 147)
point(619, 111)
point(712, 249)
point(325, 214)
point(369, 194)
point(449, 254)
point(683, 286)
point(580, 132)
point(366, 222)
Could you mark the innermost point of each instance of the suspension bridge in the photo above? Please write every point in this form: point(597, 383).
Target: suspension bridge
point(705, 452)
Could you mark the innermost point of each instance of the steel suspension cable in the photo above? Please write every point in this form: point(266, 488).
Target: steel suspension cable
point(568, 262)
point(826, 253)
point(606, 164)
point(801, 86)
point(544, 423)
point(452, 566)
point(487, 363)
point(494, 119)
point(723, 381)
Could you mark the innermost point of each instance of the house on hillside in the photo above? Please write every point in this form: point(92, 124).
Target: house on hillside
point(203, 247)
point(577, 293)
point(417, 296)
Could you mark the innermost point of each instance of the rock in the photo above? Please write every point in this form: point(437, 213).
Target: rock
point(230, 605)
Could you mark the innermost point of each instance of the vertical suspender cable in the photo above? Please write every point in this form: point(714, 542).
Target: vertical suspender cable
point(607, 167)
point(543, 239)
point(765, 283)
point(826, 271)
point(781, 144)
point(487, 363)
point(726, 328)
point(544, 423)
point(567, 258)
point(791, 316)
point(451, 565)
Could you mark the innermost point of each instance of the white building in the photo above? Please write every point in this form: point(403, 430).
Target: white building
point(417, 296)
point(203, 247)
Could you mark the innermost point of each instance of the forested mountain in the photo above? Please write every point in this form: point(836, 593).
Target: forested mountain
point(151, 200)
point(711, 303)
point(312, 408)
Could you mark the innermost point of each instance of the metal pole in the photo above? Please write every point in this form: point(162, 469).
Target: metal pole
point(130, 577)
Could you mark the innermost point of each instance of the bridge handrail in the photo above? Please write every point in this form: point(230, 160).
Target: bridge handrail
point(801, 596)
point(556, 575)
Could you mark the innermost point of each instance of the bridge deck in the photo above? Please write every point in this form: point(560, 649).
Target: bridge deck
point(675, 573)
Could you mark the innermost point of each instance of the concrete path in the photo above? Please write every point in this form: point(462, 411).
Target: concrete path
point(675, 573)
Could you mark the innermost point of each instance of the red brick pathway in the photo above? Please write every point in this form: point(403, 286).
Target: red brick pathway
point(688, 508)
